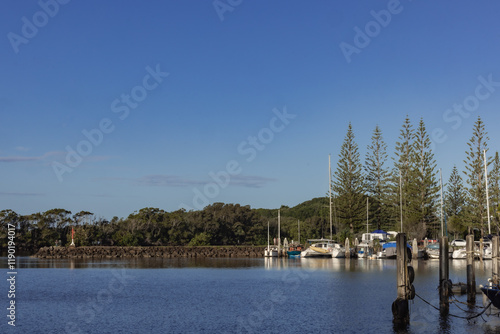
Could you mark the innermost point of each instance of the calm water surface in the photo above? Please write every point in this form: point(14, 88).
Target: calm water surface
point(228, 296)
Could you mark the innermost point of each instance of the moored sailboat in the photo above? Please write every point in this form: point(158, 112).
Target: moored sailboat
point(319, 248)
point(270, 251)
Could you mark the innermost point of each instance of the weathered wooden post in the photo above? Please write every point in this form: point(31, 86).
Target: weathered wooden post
point(481, 250)
point(471, 278)
point(400, 309)
point(356, 244)
point(494, 257)
point(347, 248)
point(414, 249)
point(444, 273)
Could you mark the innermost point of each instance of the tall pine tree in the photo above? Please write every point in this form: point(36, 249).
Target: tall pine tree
point(400, 193)
point(494, 183)
point(455, 201)
point(376, 180)
point(475, 178)
point(422, 187)
point(348, 185)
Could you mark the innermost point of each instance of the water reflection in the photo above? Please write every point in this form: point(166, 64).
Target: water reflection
point(423, 268)
point(328, 264)
point(135, 263)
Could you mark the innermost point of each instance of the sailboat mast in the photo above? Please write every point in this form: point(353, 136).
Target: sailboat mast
point(268, 236)
point(279, 233)
point(298, 224)
point(367, 214)
point(330, 192)
point(487, 194)
point(441, 183)
point(401, 198)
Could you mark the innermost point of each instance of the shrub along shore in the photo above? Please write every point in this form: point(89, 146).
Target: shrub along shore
point(146, 252)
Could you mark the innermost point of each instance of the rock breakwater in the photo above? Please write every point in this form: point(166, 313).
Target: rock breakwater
point(151, 251)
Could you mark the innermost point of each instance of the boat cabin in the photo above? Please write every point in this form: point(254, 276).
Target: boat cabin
point(375, 235)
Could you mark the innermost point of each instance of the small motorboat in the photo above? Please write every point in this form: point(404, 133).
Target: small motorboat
point(364, 250)
point(294, 250)
point(493, 294)
point(389, 250)
point(432, 251)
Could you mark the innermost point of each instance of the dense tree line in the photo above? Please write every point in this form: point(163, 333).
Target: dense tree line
point(408, 194)
point(216, 224)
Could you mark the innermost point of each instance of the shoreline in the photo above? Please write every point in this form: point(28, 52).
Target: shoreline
point(53, 252)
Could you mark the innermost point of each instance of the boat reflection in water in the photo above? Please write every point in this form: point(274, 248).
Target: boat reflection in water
point(329, 264)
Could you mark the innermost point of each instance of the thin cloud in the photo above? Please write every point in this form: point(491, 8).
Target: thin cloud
point(250, 181)
point(102, 195)
point(35, 158)
point(18, 159)
point(20, 194)
point(95, 158)
point(168, 181)
point(52, 155)
point(164, 180)
point(99, 179)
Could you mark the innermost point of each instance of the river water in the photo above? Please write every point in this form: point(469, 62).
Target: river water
point(228, 296)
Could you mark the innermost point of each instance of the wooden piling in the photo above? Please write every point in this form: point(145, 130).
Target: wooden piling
point(400, 309)
point(481, 250)
point(471, 278)
point(444, 274)
point(401, 264)
point(347, 248)
point(414, 248)
point(494, 257)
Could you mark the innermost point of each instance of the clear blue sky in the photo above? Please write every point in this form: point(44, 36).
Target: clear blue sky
point(87, 65)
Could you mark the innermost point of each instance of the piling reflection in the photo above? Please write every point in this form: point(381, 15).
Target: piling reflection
point(444, 324)
point(329, 264)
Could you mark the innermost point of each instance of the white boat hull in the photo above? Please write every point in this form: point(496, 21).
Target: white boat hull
point(324, 248)
point(433, 255)
point(311, 253)
point(271, 252)
point(338, 253)
point(459, 254)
